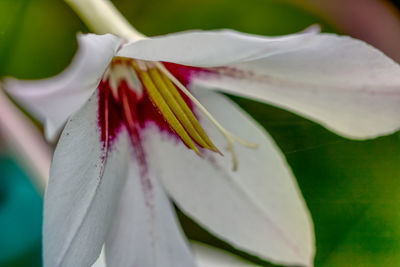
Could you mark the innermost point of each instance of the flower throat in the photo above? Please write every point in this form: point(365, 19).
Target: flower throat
point(141, 88)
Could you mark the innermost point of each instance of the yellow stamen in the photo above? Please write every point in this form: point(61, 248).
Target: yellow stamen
point(177, 108)
point(189, 114)
point(164, 108)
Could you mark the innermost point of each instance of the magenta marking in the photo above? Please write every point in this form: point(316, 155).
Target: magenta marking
point(184, 73)
point(109, 114)
point(128, 110)
point(123, 110)
point(140, 110)
point(111, 117)
point(128, 104)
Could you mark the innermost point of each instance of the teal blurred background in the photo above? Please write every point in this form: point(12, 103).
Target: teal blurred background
point(351, 187)
point(20, 217)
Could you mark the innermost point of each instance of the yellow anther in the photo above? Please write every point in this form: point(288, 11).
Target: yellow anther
point(189, 114)
point(179, 112)
point(164, 108)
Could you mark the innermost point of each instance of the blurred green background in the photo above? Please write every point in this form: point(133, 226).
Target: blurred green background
point(351, 187)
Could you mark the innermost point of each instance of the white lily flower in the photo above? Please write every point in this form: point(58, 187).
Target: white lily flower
point(131, 133)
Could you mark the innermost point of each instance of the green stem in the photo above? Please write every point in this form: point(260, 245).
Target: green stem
point(102, 17)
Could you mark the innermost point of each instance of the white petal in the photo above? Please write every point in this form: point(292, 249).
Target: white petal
point(83, 191)
point(259, 208)
point(145, 231)
point(212, 48)
point(53, 100)
point(207, 256)
point(342, 83)
point(101, 260)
